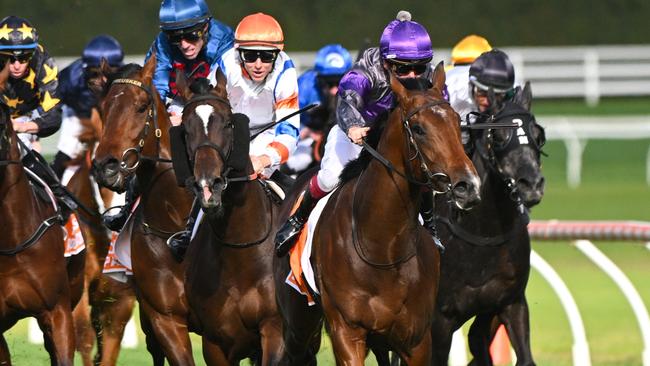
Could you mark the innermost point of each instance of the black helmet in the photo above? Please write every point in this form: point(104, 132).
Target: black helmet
point(17, 34)
point(492, 69)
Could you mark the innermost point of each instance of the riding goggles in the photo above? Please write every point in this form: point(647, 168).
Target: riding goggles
point(175, 37)
point(266, 56)
point(404, 68)
point(22, 57)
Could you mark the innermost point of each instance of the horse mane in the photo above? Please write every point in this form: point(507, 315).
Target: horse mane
point(355, 167)
point(200, 86)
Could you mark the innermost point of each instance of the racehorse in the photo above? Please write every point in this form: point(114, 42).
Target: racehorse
point(376, 267)
point(485, 269)
point(34, 278)
point(107, 304)
point(135, 141)
point(229, 281)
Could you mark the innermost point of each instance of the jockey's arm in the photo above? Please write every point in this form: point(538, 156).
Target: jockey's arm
point(49, 108)
point(350, 102)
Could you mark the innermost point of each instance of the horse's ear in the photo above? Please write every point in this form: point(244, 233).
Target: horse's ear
point(182, 86)
point(148, 69)
point(220, 88)
point(438, 77)
point(4, 76)
point(526, 98)
point(399, 89)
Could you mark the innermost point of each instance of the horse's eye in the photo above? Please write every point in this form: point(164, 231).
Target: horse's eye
point(142, 108)
point(418, 130)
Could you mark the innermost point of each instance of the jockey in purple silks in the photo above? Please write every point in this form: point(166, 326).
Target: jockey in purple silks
point(365, 94)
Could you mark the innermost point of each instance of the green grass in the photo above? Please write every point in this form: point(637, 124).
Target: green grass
point(613, 188)
point(607, 106)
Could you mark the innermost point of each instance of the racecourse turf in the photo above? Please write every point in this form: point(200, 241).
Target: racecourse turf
point(613, 188)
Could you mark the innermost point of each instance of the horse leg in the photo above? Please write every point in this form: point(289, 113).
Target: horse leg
point(84, 333)
point(58, 332)
point(112, 310)
point(213, 354)
point(172, 335)
point(515, 318)
point(479, 337)
point(5, 357)
point(348, 344)
point(442, 331)
point(272, 347)
point(421, 353)
point(150, 338)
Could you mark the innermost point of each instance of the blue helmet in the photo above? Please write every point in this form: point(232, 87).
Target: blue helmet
point(179, 14)
point(103, 46)
point(332, 59)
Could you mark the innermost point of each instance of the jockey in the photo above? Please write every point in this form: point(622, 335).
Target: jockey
point(491, 84)
point(190, 41)
point(318, 85)
point(364, 94)
point(31, 94)
point(78, 100)
point(457, 78)
point(261, 82)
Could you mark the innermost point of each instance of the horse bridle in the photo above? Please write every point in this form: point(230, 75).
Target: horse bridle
point(151, 116)
point(429, 183)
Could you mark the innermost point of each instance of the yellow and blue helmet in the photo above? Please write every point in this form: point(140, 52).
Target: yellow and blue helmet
point(17, 34)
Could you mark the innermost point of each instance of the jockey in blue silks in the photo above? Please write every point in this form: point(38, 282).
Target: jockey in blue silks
point(364, 94)
point(78, 100)
point(318, 85)
point(190, 41)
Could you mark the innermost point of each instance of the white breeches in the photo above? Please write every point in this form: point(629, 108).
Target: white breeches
point(69, 133)
point(339, 150)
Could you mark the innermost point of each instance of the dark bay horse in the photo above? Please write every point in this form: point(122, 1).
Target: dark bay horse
point(34, 278)
point(376, 267)
point(135, 141)
point(485, 269)
point(229, 279)
point(107, 304)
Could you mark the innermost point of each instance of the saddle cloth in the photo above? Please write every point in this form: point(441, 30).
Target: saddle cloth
point(300, 254)
point(74, 241)
point(118, 260)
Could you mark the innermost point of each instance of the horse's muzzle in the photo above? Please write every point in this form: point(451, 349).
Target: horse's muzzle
point(108, 174)
point(531, 191)
point(466, 193)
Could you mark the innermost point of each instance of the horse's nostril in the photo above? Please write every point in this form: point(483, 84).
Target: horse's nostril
point(461, 189)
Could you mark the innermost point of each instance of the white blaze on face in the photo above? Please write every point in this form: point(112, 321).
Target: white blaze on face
point(204, 111)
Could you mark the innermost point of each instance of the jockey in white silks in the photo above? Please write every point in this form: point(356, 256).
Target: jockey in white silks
point(261, 82)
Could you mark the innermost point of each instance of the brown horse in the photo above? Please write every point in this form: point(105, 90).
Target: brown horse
point(229, 281)
point(486, 266)
point(111, 301)
point(135, 141)
point(376, 268)
point(33, 276)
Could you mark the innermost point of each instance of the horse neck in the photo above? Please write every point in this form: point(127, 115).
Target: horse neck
point(18, 206)
point(386, 205)
point(245, 205)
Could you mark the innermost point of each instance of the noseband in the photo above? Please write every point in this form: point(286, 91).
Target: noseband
point(151, 116)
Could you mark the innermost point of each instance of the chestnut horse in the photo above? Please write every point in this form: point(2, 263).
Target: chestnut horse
point(229, 280)
point(376, 267)
point(34, 279)
point(485, 269)
point(135, 141)
point(111, 301)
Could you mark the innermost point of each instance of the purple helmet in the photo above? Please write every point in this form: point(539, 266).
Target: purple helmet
point(404, 39)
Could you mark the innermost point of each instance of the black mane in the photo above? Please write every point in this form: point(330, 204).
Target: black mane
point(200, 86)
point(355, 167)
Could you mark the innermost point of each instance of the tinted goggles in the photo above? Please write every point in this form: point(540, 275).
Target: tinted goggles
point(190, 36)
point(403, 69)
point(265, 56)
point(22, 57)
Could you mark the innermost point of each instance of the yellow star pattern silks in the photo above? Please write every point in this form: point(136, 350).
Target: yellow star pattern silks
point(26, 31)
point(13, 103)
point(29, 79)
point(49, 102)
point(4, 32)
point(50, 73)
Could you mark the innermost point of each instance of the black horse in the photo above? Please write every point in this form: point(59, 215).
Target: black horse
point(485, 268)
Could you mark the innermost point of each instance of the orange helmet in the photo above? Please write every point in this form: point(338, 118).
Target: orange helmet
point(259, 31)
point(468, 49)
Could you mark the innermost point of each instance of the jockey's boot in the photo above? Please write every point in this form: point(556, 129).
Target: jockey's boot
point(116, 222)
point(287, 235)
point(179, 242)
point(427, 213)
point(37, 164)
